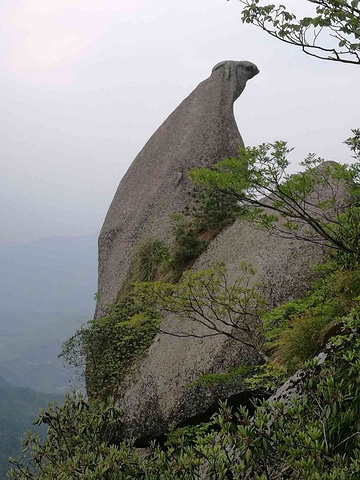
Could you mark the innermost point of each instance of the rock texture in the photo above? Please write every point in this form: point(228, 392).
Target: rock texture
point(159, 393)
point(200, 132)
point(292, 388)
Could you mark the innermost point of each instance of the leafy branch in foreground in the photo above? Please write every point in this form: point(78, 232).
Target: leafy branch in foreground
point(310, 205)
point(208, 298)
point(314, 437)
point(79, 444)
point(333, 33)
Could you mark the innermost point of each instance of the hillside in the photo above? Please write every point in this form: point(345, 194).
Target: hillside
point(18, 409)
point(30, 359)
point(46, 293)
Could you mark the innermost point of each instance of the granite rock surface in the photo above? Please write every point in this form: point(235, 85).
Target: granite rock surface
point(201, 131)
point(162, 388)
point(160, 392)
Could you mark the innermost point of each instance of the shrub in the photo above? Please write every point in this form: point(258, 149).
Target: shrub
point(108, 347)
point(80, 443)
point(187, 245)
point(213, 210)
point(313, 437)
point(151, 259)
point(300, 341)
point(297, 331)
point(307, 205)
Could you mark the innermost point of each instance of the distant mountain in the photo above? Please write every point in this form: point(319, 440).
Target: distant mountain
point(43, 280)
point(18, 409)
point(30, 359)
point(46, 293)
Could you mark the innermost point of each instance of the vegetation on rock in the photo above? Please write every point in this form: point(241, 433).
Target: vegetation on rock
point(108, 347)
point(291, 205)
point(150, 261)
point(313, 437)
point(105, 349)
point(207, 298)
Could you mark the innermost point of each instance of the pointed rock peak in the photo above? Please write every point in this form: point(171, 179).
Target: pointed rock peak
point(200, 132)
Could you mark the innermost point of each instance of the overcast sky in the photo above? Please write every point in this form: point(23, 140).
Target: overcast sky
point(84, 84)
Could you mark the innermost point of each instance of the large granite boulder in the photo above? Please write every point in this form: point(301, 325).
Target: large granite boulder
point(160, 392)
point(200, 132)
point(162, 387)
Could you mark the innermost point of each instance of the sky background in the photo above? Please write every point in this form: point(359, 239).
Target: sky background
point(85, 83)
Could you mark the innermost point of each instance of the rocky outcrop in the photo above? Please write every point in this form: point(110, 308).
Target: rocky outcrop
point(200, 132)
point(160, 392)
point(163, 388)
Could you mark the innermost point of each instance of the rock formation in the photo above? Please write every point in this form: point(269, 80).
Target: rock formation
point(162, 390)
point(200, 132)
point(159, 393)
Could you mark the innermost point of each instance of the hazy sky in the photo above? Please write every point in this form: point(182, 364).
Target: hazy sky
point(84, 83)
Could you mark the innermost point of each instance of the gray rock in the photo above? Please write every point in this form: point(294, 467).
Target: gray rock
point(159, 393)
point(292, 389)
point(200, 132)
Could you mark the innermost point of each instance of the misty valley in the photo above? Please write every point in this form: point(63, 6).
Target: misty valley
point(46, 293)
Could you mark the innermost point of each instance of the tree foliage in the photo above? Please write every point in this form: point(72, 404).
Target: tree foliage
point(79, 444)
point(313, 205)
point(208, 298)
point(107, 348)
point(332, 33)
point(315, 436)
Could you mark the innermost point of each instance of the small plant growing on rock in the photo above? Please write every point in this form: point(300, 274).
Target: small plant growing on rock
point(107, 348)
point(151, 259)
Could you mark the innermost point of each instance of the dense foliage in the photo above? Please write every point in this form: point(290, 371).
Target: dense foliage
point(313, 437)
point(332, 33)
point(108, 347)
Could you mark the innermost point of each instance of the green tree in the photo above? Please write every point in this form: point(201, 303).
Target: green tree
point(321, 204)
point(207, 298)
point(332, 33)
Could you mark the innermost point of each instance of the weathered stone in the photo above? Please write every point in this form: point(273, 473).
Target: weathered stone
point(292, 388)
point(159, 394)
point(200, 132)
